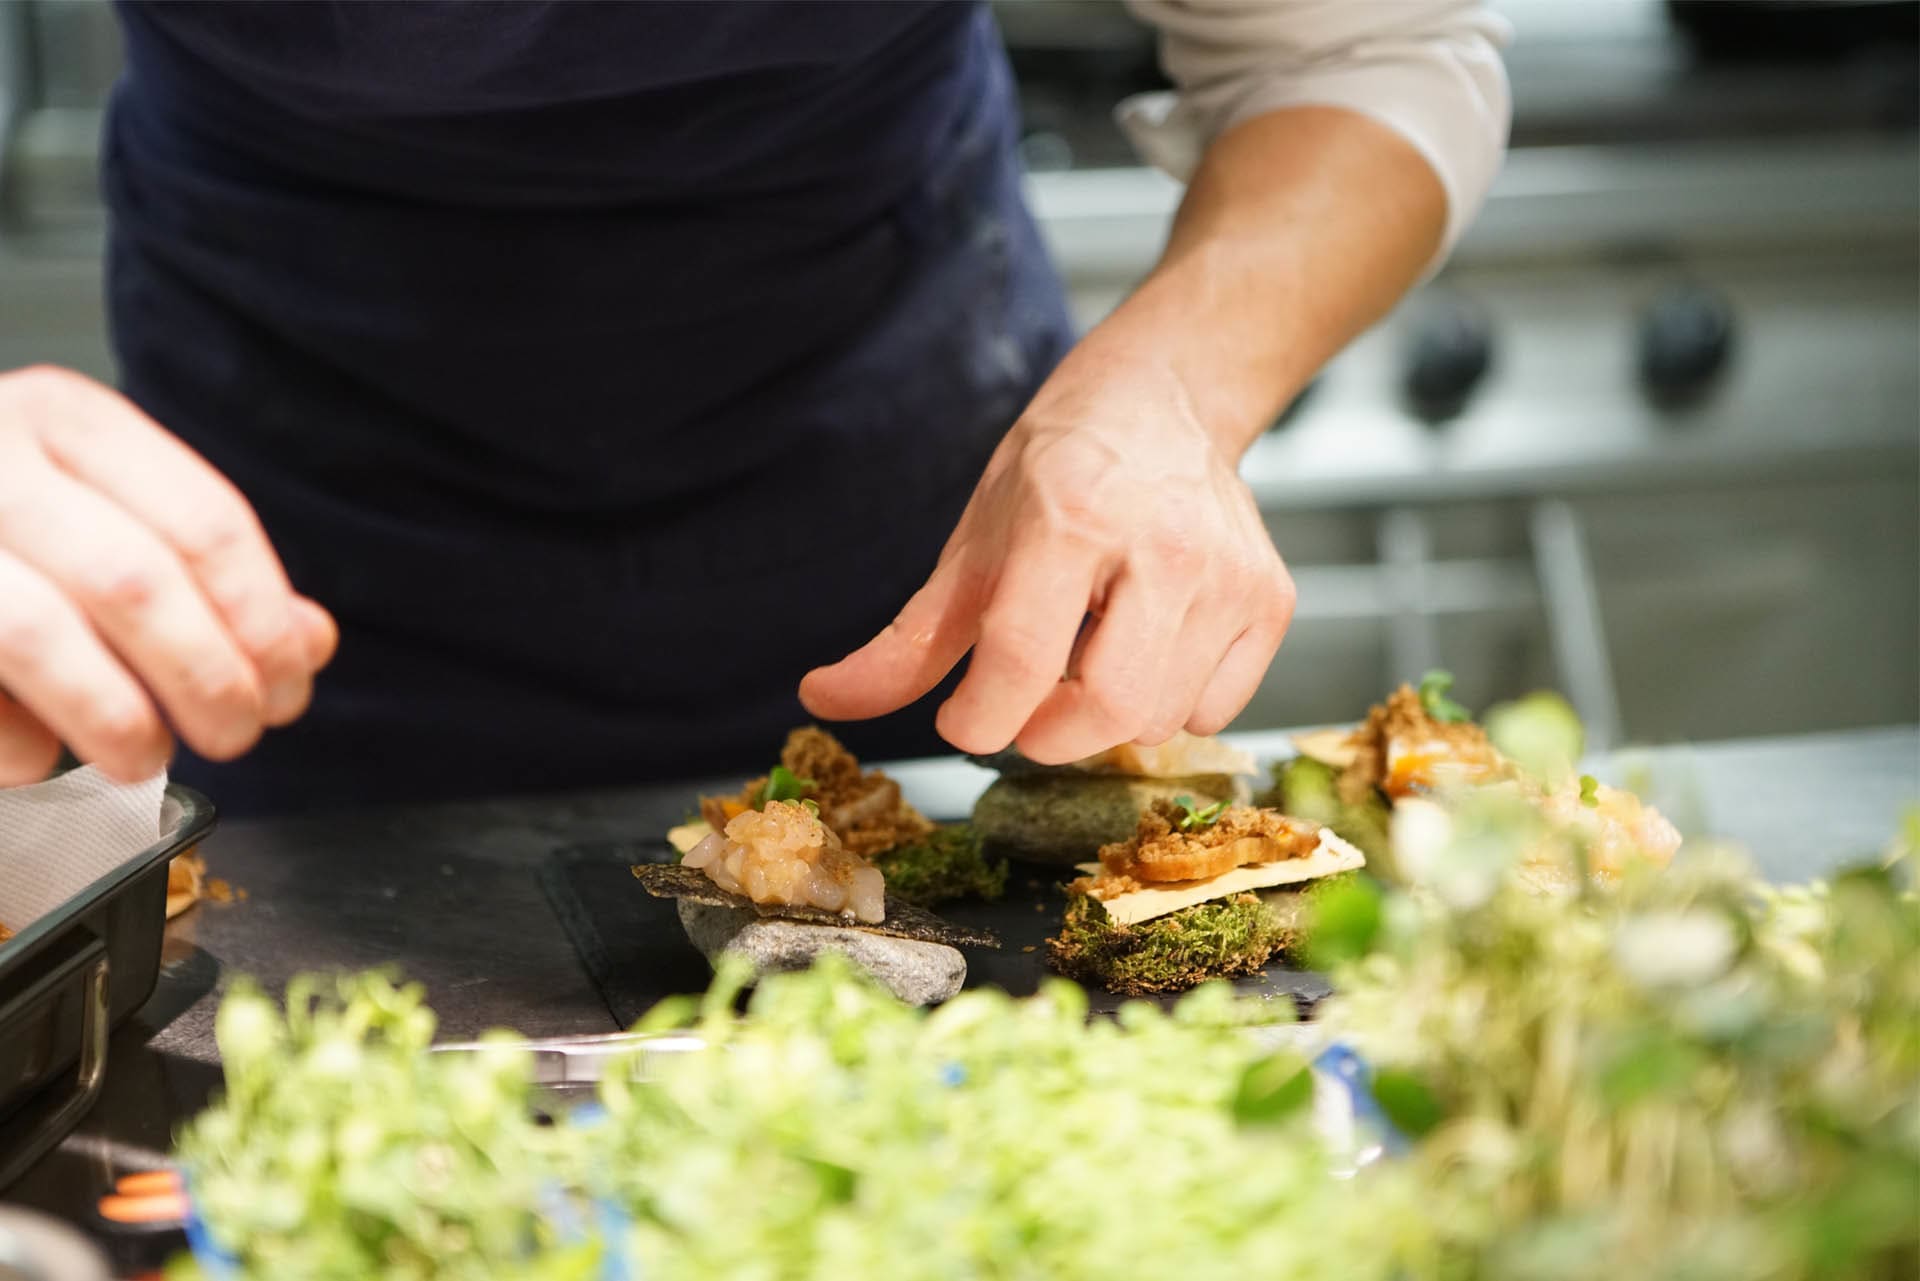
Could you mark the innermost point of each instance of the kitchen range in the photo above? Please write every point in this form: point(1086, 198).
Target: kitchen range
point(1651, 438)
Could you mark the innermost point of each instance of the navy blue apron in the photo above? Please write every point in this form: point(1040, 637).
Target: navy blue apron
point(602, 367)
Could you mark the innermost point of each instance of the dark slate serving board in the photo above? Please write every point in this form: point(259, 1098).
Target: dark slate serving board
point(636, 953)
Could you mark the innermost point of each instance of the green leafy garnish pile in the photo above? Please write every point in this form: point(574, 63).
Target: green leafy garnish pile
point(1225, 938)
point(1691, 1076)
point(837, 1134)
point(830, 1132)
point(342, 1149)
point(1694, 1077)
point(948, 864)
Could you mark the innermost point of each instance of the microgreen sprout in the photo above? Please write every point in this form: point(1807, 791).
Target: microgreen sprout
point(1194, 816)
point(782, 785)
point(1434, 687)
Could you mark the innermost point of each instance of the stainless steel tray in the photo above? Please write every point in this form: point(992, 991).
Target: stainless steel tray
point(566, 1069)
point(72, 976)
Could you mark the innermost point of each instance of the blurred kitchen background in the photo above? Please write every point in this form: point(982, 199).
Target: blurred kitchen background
point(1652, 437)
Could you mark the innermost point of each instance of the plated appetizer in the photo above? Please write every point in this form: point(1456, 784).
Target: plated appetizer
point(1196, 892)
point(922, 862)
point(833, 859)
point(1395, 780)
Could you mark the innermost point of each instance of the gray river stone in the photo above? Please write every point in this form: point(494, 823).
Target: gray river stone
point(917, 972)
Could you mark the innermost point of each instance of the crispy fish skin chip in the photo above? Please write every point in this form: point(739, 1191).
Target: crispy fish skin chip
point(904, 920)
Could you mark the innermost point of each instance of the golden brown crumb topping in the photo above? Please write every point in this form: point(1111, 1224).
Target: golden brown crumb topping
point(863, 807)
point(1104, 887)
point(1160, 850)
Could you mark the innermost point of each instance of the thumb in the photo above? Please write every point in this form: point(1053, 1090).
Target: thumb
point(910, 654)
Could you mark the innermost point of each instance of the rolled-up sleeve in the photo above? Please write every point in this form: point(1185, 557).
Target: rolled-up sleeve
point(1430, 70)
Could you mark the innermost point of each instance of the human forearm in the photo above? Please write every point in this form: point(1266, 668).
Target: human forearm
point(1300, 228)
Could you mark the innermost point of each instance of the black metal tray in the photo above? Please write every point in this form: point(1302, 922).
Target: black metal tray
point(73, 975)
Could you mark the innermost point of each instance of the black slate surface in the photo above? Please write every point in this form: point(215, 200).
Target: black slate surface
point(633, 948)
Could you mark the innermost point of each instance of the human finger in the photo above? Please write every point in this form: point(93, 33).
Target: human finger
point(106, 443)
point(1234, 682)
point(1207, 633)
point(319, 633)
point(28, 749)
point(53, 665)
point(140, 598)
point(909, 656)
point(1124, 667)
point(1025, 637)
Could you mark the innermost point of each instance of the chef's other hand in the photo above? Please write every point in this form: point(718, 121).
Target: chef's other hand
point(137, 592)
point(1108, 504)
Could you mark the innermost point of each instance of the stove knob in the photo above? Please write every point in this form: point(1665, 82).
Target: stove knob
point(1686, 338)
point(1450, 352)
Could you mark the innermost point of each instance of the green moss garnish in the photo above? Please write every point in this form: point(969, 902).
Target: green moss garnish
point(1223, 939)
point(949, 864)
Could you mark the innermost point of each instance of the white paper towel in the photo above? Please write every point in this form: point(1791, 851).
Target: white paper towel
point(58, 837)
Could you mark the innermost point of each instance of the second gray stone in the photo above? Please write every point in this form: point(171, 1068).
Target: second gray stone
point(917, 972)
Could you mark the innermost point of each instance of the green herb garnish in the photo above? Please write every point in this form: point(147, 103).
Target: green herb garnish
point(1434, 687)
point(782, 785)
point(1590, 791)
point(1194, 816)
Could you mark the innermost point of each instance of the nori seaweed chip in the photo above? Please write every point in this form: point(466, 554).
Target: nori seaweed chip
point(904, 920)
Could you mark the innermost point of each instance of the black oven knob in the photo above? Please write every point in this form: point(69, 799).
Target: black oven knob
point(1449, 352)
point(1686, 340)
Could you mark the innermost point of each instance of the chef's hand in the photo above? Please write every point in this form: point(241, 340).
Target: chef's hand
point(1108, 502)
point(1115, 498)
point(137, 591)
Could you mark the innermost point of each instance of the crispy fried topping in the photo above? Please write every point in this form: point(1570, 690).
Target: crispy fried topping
point(1104, 887)
point(864, 808)
point(1159, 851)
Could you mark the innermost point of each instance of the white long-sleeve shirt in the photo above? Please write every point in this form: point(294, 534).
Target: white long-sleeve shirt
point(1428, 69)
